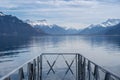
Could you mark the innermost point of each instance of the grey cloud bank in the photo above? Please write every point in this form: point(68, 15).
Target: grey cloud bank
point(71, 13)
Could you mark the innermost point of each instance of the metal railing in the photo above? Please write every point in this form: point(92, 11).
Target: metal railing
point(60, 66)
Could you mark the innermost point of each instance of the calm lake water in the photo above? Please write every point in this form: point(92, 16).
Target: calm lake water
point(103, 50)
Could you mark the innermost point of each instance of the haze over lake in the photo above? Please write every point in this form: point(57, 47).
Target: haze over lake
point(103, 50)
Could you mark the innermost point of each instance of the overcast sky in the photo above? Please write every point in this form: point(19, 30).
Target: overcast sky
point(70, 13)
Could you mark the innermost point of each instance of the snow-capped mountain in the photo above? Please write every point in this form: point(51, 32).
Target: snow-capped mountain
point(37, 22)
point(2, 14)
point(110, 22)
point(115, 30)
point(100, 28)
point(51, 29)
point(91, 26)
point(13, 26)
point(92, 29)
point(107, 23)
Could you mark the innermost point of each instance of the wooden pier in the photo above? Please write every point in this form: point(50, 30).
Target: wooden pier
point(60, 66)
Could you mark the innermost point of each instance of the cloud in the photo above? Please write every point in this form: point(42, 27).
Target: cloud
point(63, 12)
point(7, 4)
point(47, 3)
point(109, 1)
point(69, 3)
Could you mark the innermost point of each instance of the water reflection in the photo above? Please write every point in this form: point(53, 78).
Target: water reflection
point(10, 46)
point(111, 43)
point(12, 43)
point(45, 41)
point(104, 50)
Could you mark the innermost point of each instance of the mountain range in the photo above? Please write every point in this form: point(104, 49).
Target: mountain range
point(51, 29)
point(11, 25)
point(109, 27)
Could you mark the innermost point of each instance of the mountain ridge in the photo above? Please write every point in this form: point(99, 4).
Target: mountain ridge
point(51, 29)
point(12, 26)
point(100, 29)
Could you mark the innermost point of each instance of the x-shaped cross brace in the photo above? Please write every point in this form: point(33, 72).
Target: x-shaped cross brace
point(51, 67)
point(69, 66)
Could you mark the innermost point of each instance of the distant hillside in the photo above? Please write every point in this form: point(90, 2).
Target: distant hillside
point(93, 29)
point(11, 25)
point(115, 30)
point(51, 29)
point(109, 27)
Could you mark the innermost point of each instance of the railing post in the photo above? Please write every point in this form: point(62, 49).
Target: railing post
point(41, 67)
point(79, 68)
point(21, 74)
point(30, 71)
point(34, 69)
point(96, 73)
point(8, 78)
point(107, 76)
point(89, 70)
point(38, 77)
point(84, 69)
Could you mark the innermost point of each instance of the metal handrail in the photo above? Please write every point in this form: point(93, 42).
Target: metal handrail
point(104, 70)
point(83, 67)
point(17, 68)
